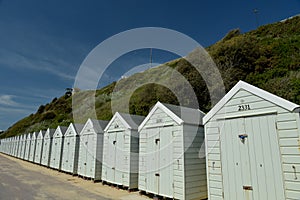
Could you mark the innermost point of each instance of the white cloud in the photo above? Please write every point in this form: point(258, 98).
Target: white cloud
point(7, 100)
point(17, 60)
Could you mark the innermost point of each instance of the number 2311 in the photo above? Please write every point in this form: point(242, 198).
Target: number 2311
point(244, 107)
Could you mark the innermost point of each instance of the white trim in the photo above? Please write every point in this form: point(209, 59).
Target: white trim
point(117, 115)
point(232, 116)
point(71, 128)
point(84, 127)
point(165, 109)
point(254, 90)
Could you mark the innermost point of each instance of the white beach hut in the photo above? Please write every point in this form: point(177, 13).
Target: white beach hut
point(22, 146)
point(252, 144)
point(32, 147)
point(91, 149)
point(57, 147)
point(27, 146)
point(120, 150)
point(71, 149)
point(47, 144)
point(170, 164)
point(39, 147)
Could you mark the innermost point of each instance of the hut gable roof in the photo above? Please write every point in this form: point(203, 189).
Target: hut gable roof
point(74, 129)
point(241, 85)
point(60, 131)
point(129, 121)
point(28, 136)
point(97, 125)
point(49, 133)
point(41, 134)
point(179, 114)
point(34, 135)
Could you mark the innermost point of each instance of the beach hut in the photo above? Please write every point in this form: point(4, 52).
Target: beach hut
point(170, 160)
point(252, 145)
point(57, 147)
point(47, 144)
point(71, 149)
point(18, 154)
point(27, 146)
point(91, 149)
point(22, 146)
point(12, 147)
point(32, 147)
point(6, 147)
point(16, 148)
point(3, 145)
point(39, 147)
point(120, 150)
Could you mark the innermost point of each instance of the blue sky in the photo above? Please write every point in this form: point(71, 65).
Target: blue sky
point(43, 43)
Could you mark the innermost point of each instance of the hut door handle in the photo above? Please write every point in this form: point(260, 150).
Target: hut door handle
point(114, 142)
point(247, 187)
point(243, 137)
point(157, 174)
point(157, 140)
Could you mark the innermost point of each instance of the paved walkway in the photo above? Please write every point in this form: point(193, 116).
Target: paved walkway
point(23, 180)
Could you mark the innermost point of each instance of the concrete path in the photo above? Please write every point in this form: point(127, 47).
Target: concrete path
point(27, 181)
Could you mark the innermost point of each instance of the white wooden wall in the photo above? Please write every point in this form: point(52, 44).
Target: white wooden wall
point(46, 154)
point(182, 175)
point(27, 148)
point(286, 125)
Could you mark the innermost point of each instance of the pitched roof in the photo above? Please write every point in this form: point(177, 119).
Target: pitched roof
point(78, 127)
point(129, 121)
point(61, 129)
point(41, 134)
point(98, 125)
point(75, 127)
point(28, 136)
point(292, 107)
point(179, 114)
point(50, 132)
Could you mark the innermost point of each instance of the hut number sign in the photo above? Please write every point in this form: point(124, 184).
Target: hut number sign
point(243, 107)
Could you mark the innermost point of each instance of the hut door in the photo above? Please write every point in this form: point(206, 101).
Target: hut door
point(152, 160)
point(250, 159)
point(166, 162)
point(111, 157)
point(91, 155)
point(84, 152)
point(119, 157)
point(264, 153)
point(71, 152)
point(54, 152)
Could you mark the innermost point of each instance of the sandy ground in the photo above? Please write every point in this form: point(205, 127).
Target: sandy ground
point(24, 180)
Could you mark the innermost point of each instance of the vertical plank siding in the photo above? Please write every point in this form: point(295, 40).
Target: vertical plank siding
point(285, 165)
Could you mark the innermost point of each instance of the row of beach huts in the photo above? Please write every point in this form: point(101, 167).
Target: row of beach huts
point(246, 147)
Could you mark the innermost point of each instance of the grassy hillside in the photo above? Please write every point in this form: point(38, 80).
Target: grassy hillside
point(268, 57)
